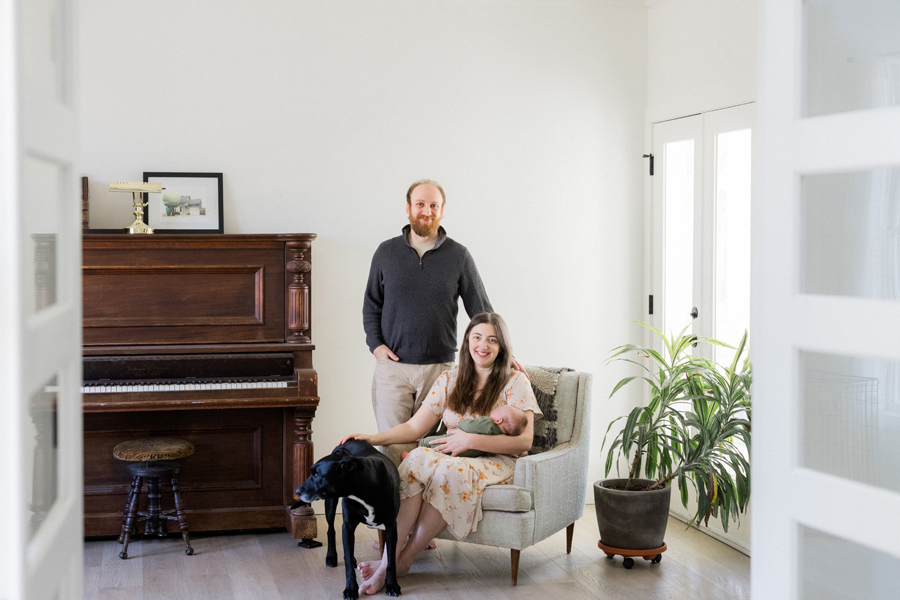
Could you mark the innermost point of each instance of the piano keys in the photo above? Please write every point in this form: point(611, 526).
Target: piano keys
point(206, 338)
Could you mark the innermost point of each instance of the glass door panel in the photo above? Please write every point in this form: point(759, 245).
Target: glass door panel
point(732, 197)
point(850, 224)
point(42, 438)
point(678, 297)
point(852, 55)
point(833, 568)
point(851, 418)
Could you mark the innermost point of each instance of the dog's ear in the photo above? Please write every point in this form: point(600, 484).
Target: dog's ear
point(348, 465)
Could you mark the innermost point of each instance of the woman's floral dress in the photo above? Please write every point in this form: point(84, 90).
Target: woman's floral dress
point(453, 485)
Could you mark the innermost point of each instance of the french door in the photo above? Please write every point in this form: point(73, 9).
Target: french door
point(701, 223)
point(700, 242)
point(826, 302)
point(40, 305)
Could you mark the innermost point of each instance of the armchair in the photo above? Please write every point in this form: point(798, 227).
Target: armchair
point(549, 488)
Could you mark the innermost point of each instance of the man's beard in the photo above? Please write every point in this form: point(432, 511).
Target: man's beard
point(425, 230)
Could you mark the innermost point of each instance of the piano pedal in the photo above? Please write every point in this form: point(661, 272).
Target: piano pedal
point(309, 543)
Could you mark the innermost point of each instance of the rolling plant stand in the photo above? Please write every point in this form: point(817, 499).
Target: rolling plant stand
point(653, 555)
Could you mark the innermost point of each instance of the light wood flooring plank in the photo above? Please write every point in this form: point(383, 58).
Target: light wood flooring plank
point(91, 583)
point(164, 570)
point(248, 571)
point(120, 593)
point(118, 573)
point(271, 566)
point(291, 566)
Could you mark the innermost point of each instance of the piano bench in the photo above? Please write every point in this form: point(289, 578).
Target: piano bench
point(151, 459)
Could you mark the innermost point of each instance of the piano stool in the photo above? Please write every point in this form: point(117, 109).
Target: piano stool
point(153, 458)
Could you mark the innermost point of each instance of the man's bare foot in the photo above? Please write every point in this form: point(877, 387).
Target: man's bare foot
point(375, 583)
point(366, 569)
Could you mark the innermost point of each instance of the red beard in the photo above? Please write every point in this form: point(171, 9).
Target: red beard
point(424, 229)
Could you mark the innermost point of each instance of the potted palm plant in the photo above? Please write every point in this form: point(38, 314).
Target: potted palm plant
point(694, 432)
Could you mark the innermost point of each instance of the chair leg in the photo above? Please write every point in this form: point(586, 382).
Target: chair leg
point(514, 564)
point(182, 518)
point(134, 483)
point(570, 530)
point(130, 510)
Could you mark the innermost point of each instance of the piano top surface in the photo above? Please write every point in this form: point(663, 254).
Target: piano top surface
point(97, 240)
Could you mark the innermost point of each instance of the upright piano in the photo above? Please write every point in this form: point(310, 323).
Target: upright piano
point(206, 338)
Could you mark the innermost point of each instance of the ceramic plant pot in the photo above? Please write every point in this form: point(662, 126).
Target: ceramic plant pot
point(631, 519)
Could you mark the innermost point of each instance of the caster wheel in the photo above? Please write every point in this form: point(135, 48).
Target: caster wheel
point(658, 559)
point(628, 563)
point(123, 555)
point(189, 551)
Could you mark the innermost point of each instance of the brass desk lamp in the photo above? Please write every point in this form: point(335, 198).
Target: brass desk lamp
point(136, 187)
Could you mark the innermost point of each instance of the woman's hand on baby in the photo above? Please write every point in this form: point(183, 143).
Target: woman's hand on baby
point(456, 442)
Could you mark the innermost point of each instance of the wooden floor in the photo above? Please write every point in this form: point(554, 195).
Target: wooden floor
point(271, 566)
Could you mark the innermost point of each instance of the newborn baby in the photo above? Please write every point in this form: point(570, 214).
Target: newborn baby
point(507, 420)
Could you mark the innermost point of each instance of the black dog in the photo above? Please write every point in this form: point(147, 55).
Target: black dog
point(370, 486)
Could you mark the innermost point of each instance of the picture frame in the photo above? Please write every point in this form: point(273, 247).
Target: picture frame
point(189, 203)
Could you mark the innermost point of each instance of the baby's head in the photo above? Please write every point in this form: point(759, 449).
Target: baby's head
point(511, 420)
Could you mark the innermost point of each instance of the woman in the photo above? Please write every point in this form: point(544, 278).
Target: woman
point(437, 488)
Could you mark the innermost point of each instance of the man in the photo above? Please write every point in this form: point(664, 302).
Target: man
point(411, 303)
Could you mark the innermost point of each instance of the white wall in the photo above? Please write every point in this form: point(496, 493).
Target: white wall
point(320, 114)
point(701, 55)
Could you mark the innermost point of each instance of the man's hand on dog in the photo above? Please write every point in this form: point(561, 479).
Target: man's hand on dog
point(454, 443)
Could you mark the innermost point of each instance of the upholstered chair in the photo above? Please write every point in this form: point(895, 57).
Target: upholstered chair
point(549, 488)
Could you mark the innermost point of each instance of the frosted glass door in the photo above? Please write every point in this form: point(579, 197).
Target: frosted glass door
point(826, 316)
point(40, 305)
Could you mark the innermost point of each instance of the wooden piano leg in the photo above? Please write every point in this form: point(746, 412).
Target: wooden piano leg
point(301, 521)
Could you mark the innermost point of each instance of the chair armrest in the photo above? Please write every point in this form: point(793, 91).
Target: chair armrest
point(534, 470)
point(558, 482)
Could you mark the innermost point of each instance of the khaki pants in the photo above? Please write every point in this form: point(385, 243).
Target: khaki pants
point(399, 389)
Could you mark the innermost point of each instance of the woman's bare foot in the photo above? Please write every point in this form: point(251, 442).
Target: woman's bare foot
point(403, 455)
point(366, 569)
point(376, 545)
point(431, 545)
point(375, 583)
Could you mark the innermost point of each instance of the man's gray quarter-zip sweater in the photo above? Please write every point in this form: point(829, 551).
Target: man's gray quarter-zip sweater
point(411, 303)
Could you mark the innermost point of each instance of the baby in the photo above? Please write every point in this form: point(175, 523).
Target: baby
point(505, 419)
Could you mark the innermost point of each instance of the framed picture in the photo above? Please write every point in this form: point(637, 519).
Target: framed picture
point(189, 203)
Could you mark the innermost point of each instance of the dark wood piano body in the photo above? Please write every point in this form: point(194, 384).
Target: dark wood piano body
point(203, 306)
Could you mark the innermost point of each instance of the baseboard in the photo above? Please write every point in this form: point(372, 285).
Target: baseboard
point(724, 538)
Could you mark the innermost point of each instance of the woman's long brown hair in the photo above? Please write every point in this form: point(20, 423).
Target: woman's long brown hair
point(462, 399)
